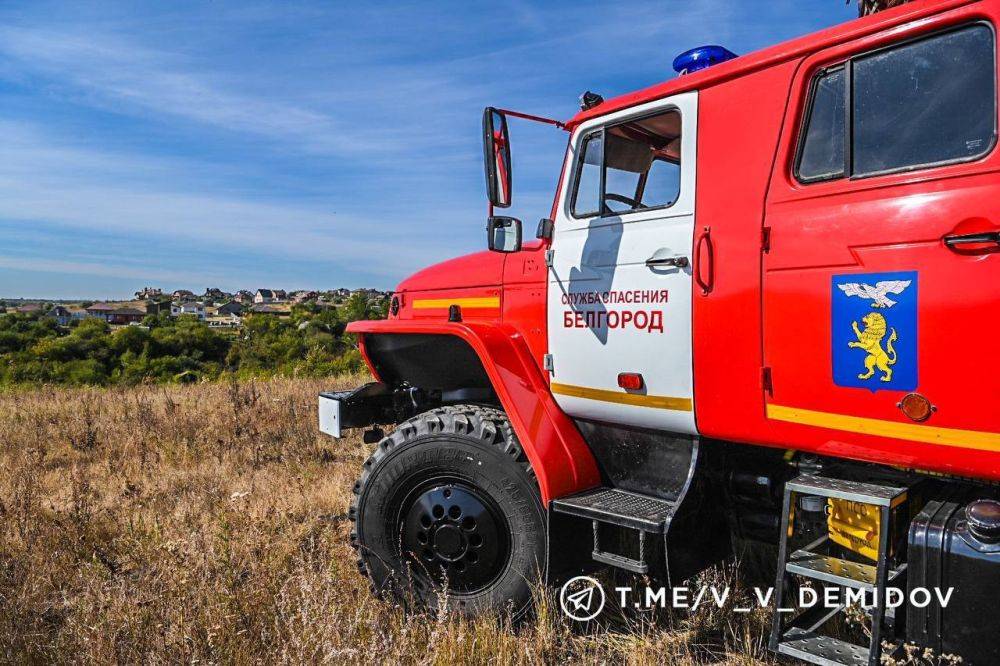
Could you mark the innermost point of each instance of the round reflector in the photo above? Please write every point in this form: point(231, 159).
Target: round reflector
point(916, 407)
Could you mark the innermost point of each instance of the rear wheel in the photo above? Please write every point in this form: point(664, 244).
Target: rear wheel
point(449, 502)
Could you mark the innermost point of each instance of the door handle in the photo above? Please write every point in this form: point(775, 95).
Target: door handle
point(705, 262)
point(679, 262)
point(969, 239)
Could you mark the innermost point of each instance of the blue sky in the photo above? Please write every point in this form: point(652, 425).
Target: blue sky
point(303, 144)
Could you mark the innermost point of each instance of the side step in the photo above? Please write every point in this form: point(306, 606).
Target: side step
point(831, 569)
point(834, 570)
point(818, 649)
point(855, 491)
point(619, 507)
point(645, 514)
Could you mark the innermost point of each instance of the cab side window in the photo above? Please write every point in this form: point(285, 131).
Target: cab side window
point(923, 103)
point(822, 151)
point(586, 196)
point(630, 167)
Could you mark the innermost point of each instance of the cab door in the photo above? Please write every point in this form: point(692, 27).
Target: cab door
point(619, 296)
point(881, 280)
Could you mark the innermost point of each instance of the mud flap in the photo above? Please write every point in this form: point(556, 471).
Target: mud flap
point(699, 535)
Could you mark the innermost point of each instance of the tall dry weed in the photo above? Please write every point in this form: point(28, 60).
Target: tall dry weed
point(208, 523)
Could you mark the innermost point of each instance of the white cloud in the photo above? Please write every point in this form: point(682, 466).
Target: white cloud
point(46, 181)
point(102, 269)
point(112, 73)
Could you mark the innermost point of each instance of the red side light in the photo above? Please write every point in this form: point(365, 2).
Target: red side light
point(630, 381)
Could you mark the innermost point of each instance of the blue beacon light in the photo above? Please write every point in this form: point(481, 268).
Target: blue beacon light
point(700, 58)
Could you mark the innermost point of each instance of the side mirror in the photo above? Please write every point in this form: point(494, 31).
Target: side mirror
point(496, 155)
point(503, 234)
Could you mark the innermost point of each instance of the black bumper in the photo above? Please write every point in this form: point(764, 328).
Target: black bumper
point(364, 406)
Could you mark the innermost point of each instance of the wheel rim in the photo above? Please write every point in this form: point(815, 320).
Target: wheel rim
point(452, 531)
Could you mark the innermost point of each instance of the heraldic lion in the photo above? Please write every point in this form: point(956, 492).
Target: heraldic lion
point(870, 339)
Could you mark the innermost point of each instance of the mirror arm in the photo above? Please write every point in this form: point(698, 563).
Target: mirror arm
point(537, 119)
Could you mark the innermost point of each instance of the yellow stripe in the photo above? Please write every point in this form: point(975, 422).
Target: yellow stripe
point(653, 401)
point(966, 439)
point(430, 303)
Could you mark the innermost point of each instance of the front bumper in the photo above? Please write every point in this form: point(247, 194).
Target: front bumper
point(364, 406)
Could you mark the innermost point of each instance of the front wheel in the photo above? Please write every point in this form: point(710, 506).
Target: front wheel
point(448, 502)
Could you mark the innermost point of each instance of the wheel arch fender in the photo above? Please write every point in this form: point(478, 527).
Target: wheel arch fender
point(559, 456)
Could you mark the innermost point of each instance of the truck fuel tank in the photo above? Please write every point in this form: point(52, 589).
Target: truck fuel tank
point(954, 544)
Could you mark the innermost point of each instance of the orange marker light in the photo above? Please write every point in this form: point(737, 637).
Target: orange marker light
point(916, 407)
point(630, 381)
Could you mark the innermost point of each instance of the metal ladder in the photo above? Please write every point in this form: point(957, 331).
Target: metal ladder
point(799, 637)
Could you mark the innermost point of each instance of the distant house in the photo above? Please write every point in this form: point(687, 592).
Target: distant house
point(148, 292)
point(100, 310)
point(270, 296)
point(271, 309)
point(224, 321)
point(243, 296)
point(215, 295)
point(182, 294)
point(122, 316)
point(61, 314)
point(115, 314)
point(188, 308)
point(230, 308)
point(30, 308)
point(155, 307)
point(303, 296)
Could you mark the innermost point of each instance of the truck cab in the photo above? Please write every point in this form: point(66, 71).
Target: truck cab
point(759, 309)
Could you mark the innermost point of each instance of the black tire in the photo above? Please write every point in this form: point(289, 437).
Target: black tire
point(449, 500)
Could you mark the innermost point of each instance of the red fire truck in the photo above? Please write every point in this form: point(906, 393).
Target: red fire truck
point(760, 309)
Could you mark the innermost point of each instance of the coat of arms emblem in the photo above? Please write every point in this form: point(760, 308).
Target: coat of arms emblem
point(875, 330)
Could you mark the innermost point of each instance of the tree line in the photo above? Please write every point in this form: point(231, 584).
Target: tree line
point(310, 342)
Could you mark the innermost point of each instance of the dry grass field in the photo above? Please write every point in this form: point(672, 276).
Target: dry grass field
point(208, 524)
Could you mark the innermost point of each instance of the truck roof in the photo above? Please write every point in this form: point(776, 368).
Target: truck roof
point(772, 55)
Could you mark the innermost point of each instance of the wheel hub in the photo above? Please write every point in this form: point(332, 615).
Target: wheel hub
point(449, 543)
point(454, 531)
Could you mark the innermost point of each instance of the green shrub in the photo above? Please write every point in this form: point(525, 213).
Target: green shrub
point(311, 342)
